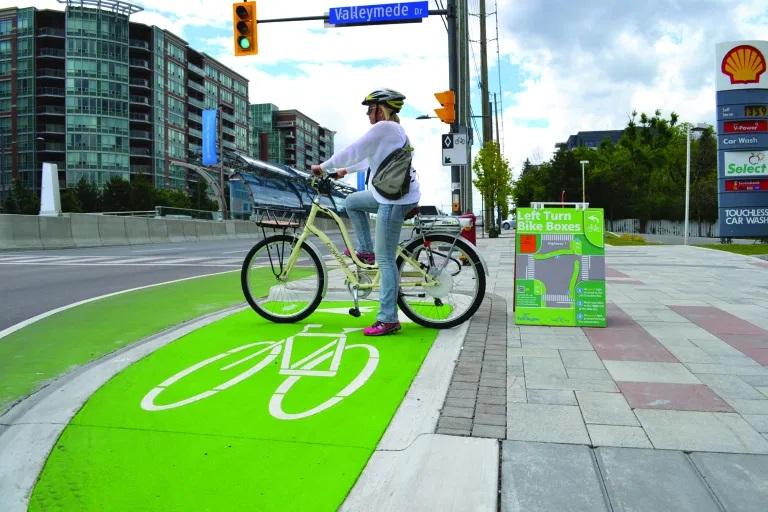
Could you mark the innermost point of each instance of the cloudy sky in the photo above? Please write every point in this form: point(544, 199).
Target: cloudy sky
point(558, 66)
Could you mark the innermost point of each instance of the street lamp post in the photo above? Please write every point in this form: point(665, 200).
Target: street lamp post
point(583, 189)
point(697, 128)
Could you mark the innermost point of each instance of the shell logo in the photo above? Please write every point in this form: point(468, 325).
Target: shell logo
point(744, 64)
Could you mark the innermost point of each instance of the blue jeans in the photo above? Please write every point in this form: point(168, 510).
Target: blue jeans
point(389, 222)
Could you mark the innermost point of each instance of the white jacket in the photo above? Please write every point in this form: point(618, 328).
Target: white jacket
point(369, 151)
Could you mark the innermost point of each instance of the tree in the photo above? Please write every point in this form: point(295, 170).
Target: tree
point(88, 195)
point(142, 194)
point(70, 202)
point(494, 180)
point(21, 200)
point(116, 196)
point(199, 197)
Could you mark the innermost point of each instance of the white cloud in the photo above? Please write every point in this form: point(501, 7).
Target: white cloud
point(568, 66)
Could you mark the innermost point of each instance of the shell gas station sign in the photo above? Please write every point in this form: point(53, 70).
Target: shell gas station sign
point(742, 142)
point(742, 65)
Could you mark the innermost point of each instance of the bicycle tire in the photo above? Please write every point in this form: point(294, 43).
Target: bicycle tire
point(288, 300)
point(454, 300)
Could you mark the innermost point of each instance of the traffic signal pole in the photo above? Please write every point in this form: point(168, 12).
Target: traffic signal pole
point(457, 201)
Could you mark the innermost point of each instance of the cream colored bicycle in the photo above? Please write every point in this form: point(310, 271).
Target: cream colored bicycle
point(284, 278)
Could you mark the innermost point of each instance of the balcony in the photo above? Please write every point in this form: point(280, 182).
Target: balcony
point(195, 118)
point(51, 32)
point(195, 102)
point(50, 73)
point(51, 128)
point(138, 43)
point(139, 117)
point(56, 53)
point(141, 152)
point(140, 100)
point(139, 82)
point(195, 133)
point(141, 169)
point(50, 91)
point(200, 71)
point(141, 134)
point(196, 86)
point(51, 147)
point(139, 63)
point(51, 110)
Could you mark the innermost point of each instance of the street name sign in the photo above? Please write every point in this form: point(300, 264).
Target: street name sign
point(454, 148)
point(404, 12)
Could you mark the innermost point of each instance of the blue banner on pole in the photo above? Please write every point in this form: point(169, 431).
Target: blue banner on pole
point(210, 132)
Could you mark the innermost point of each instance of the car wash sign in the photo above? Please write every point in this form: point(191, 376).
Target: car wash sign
point(742, 142)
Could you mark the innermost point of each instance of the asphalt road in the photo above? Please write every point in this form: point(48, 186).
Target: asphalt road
point(34, 282)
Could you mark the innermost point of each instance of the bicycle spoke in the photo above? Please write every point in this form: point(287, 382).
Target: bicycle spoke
point(279, 293)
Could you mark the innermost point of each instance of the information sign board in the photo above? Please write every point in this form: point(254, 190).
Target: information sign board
point(560, 267)
point(454, 148)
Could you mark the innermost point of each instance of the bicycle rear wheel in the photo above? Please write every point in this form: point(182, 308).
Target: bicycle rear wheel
point(460, 281)
point(282, 299)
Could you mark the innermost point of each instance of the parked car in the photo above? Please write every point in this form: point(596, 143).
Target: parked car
point(508, 223)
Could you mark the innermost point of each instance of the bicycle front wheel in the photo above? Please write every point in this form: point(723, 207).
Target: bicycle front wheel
point(456, 286)
point(275, 292)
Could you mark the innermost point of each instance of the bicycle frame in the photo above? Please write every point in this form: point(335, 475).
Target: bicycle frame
point(310, 229)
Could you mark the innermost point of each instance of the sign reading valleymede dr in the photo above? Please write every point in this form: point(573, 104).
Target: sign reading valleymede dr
point(742, 142)
point(560, 267)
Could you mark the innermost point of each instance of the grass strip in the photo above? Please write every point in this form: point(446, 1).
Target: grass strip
point(57, 344)
point(745, 249)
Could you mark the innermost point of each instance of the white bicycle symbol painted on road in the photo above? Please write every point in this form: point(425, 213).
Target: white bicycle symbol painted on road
point(266, 352)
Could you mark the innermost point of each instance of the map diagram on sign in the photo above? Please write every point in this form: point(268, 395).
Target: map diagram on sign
point(557, 266)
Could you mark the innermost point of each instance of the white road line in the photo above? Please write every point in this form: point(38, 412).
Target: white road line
point(30, 321)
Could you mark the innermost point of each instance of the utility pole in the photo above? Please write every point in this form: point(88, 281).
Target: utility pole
point(485, 102)
point(453, 84)
point(464, 102)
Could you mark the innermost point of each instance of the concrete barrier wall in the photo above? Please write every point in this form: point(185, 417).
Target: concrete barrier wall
point(85, 229)
point(204, 230)
point(6, 232)
point(93, 230)
point(26, 232)
point(55, 232)
point(175, 230)
point(190, 232)
point(158, 230)
point(112, 230)
point(137, 230)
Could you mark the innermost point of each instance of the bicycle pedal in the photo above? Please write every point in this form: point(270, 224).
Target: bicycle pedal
point(355, 312)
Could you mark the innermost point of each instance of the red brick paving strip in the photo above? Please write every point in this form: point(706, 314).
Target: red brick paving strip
point(624, 340)
point(678, 397)
point(612, 272)
point(747, 338)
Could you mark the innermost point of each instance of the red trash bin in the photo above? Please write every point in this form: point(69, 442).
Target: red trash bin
point(468, 228)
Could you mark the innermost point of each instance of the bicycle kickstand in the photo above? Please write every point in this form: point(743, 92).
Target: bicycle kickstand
point(355, 311)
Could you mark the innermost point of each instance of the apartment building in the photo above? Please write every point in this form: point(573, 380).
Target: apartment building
point(102, 96)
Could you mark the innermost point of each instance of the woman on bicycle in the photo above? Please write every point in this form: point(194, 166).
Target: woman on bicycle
point(385, 136)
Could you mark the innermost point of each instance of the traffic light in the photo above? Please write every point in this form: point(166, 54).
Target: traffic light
point(447, 99)
point(244, 26)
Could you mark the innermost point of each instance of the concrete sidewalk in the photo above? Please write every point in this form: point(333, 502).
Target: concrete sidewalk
point(665, 409)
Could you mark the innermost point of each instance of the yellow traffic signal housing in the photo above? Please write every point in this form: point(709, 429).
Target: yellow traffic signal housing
point(447, 99)
point(244, 27)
